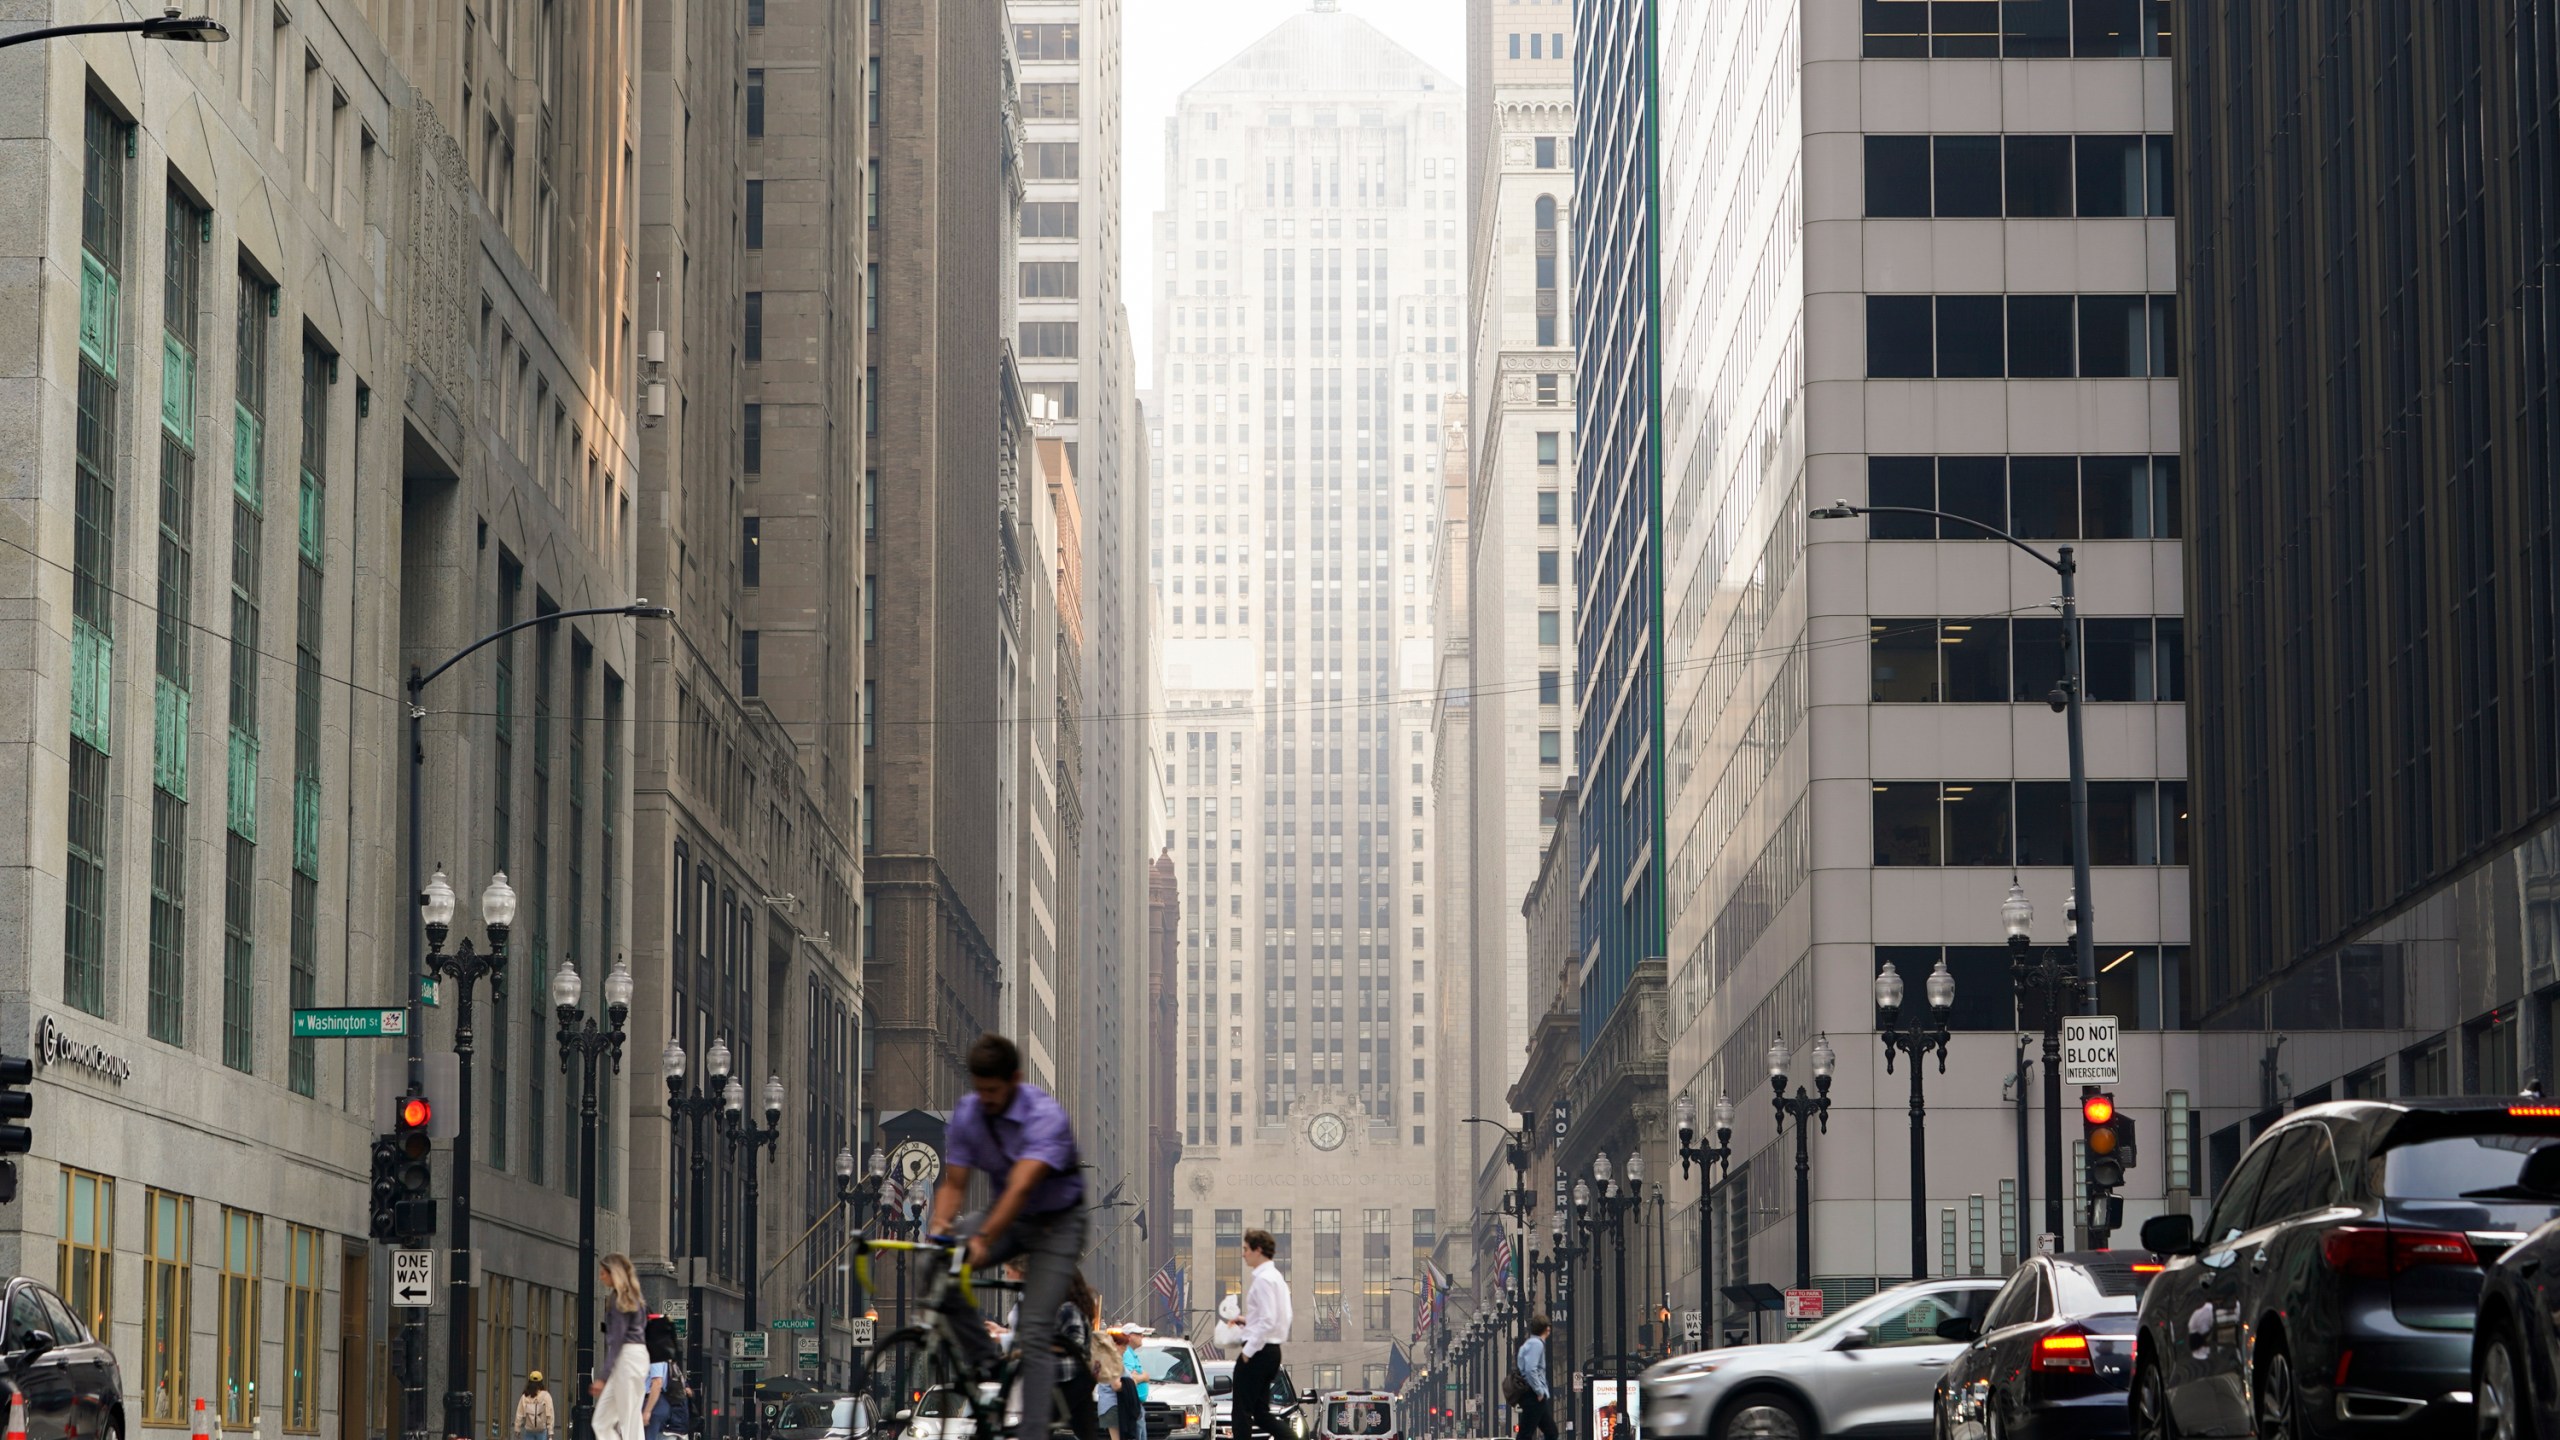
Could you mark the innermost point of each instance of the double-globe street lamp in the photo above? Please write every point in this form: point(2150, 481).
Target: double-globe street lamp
point(693, 1104)
point(745, 1135)
point(465, 967)
point(1916, 1039)
point(859, 1193)
point(1803, 1107)
point(589, 1043)
point(2051, 984)
point(1612, 1201)
point(1695, 1151)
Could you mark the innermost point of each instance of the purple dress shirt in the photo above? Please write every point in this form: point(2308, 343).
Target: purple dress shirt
point(1033, 1127)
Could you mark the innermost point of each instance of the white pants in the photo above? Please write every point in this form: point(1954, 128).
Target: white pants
point(618, 1410)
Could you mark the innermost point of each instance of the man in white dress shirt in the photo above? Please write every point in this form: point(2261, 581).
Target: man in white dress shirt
point(1267, 1315)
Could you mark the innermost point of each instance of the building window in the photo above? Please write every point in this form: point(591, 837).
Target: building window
point(2027, 822)
point(173, 676)
point(1550, 627)
point(237, 1336)
point(1036, 43)
point(1550, 747)
point(1550, 508)
point(1328, 1287)
point(168, 1256)
point(1052, 160)
point(2491, 1062)
point(1377, 1258)
point(302, 1293)
point(2055, 497)
point(2426, 1070)
point(86, 1275)
point(2018, 29)
point(751, 345)
point(1048, 280)
point(1950, 337)
point(102, 221)
point(1048, 339)
point(751, 551)
point(1050, 100)
point(750, 662)
point(755, 104)
point(1550, 567)
point(751, 436)
point(1515, 46)
point(755, 212)
point(1969, 661)
point(1546, 260)
point(1049, 220)
point(1543, 152)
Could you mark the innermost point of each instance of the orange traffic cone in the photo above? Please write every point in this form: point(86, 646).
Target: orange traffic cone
point(200, 1430)
point(17, 1417)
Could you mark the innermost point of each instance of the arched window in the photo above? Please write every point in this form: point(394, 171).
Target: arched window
point(1546, 225)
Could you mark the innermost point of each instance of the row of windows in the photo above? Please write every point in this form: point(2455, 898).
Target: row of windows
point(2017, 29)
point(2143, 986)
point(2021, 337)
point(1541, 47)
point(1049, 220)
point(1046, 42)
point(85, 1261)
point(1050, 100)
point(2027, 822)
point(1048, 280)
point(1998, 661)
point(2019, 176)
point(2035, 497)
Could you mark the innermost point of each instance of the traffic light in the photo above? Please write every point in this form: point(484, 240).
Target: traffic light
point(16, 1072)
point(2108, 1136)
point(412, 1197)
point(386, 1188)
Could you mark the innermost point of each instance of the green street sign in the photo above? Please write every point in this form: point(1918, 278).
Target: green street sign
point(795, 1322)
point(349, 1024)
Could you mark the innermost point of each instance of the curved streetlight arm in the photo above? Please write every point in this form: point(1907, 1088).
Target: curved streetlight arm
point(1843, 510)
point(201, 30)
point(637, 609)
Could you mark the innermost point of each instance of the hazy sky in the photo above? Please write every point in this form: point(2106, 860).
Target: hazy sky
point(1168, 45)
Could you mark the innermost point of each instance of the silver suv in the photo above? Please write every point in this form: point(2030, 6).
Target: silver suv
point(1871, 1369)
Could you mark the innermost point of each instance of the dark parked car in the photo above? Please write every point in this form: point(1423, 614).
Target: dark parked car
point(2515, 1346)
point(2333, 1288)
point(67, 1375)
point(2054, 1353)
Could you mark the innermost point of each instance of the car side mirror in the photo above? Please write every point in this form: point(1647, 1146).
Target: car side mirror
point(2171, 1234)
point(35, 1343)
point(1222, 1384)
point(1857, 1339)
point(1959, 1329)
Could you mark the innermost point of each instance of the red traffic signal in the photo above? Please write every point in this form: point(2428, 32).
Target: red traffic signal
point(2108, 1136)
point(2098, 1109)
point(415, 1113)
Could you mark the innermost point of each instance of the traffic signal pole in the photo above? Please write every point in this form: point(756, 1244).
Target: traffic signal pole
point(413, 1321)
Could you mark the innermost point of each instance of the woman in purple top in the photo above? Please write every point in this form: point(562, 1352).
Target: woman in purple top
point(621, 1380)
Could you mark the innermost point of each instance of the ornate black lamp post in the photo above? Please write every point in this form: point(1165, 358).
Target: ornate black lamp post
point(465, 967)
point(743, 1134)
point(584, 1040)
point(1584, 1230)
point(1695, 1151)
point(861, 1195)
point(1616, 1200)
point(694, 1104)
point(2051, 984)
point(1916, 1039)
point(1803, 1107)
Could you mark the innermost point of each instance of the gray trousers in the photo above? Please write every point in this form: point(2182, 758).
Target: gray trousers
point(1051, 1248)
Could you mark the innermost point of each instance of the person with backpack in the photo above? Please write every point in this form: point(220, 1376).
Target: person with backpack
point(667, 1410)
point(1528, 1386)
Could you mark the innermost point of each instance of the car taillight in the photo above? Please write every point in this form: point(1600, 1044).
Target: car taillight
point(2062, 1351)
point(2372, 1252)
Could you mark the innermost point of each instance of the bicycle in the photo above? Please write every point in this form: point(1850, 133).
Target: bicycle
point(926, 1379)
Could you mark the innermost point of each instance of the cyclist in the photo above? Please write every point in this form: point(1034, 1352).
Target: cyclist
point(1019, 1134)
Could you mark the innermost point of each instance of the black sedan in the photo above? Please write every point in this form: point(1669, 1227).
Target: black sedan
point(2515, 1346)
point(2054, 1353)
point(2334, 1286)
point(66, 1375)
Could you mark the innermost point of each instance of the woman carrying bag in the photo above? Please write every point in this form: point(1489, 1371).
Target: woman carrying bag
point(621, 1382)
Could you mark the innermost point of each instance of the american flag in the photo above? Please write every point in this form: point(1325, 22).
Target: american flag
point(1426, 1306)
point(1167, 1282)
point(1502, 1262)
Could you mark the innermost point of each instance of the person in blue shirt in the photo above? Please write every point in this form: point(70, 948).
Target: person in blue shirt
point(1538, 1415)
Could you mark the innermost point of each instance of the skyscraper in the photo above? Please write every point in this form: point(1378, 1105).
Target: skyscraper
point(1308, 315)
point(2369, 435)
point(1519, 512)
